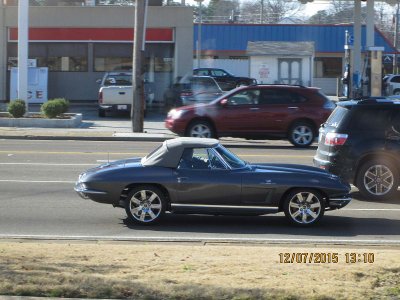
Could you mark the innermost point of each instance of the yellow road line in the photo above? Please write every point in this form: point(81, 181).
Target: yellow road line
point(72, 153)
point(139, 153)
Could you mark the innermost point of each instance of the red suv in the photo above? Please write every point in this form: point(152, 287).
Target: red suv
point(256, 112)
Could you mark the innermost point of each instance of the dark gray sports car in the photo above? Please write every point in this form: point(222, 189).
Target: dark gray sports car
point(200, 176)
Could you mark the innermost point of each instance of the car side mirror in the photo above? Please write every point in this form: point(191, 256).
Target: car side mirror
point(98, 81)
point(223, 102)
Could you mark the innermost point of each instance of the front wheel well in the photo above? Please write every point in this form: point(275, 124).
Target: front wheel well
point(197, 119)
point(128, 188)
point(284, 195)
point(396, 91)
point(304, 120)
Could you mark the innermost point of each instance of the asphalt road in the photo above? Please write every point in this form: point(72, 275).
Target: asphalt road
point(37, 200)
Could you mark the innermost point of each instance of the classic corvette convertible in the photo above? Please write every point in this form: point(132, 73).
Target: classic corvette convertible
point(200, 176)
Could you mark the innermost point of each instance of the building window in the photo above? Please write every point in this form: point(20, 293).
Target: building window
point(58, 57)
point(328, 67)
point(112, 57)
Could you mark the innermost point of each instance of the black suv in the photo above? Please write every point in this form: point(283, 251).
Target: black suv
point(360, 142)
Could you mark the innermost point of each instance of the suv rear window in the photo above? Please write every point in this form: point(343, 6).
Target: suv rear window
point(371, 119)
point(337, 116)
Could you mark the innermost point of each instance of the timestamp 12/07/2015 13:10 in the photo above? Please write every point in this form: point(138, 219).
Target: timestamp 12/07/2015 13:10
point(326, 257)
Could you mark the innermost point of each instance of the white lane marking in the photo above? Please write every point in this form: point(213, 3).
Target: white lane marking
point(36, 181)
point(46, 164)
point(199, 239)
point(371, 209)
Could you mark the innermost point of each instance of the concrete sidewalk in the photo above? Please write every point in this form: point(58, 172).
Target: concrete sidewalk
point(113, 127)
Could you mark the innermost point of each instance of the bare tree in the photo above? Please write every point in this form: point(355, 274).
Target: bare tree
point(270, 11)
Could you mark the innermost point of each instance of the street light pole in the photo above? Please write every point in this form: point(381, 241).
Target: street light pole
point(198, 44)
point(395, 39)
point(23, 27)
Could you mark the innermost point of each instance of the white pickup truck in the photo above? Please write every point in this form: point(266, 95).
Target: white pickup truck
point(116, 93)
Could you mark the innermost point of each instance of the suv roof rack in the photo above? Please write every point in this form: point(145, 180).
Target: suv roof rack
point(282, 84)
point(375, 100)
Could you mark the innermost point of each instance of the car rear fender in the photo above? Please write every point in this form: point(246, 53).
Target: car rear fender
point(129, 187)
point(283, 197)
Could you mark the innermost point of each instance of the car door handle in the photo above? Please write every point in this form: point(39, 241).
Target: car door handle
point(293, 107)
point(121, 93)
point(254, 108)
point(181, 179)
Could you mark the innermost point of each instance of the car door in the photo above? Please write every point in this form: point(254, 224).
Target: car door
point(278, 108)
point(240, 115)
point(200, 181)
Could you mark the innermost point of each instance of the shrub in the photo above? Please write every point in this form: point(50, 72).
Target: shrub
point(64, 103)
point(51, 109)
point(17, 108)
point(55, 107)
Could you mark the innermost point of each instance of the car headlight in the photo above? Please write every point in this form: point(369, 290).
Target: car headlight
point(81, 176)
point(80, 186)
point(176, 114)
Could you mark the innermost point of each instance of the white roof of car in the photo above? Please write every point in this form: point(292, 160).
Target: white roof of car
point(170, 152)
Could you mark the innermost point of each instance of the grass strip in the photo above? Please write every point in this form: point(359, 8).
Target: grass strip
point(193, 271)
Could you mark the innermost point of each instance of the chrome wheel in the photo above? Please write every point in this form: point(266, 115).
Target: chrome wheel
point(145, 206)
point(200, 130)
point(302, 135)
point(378, 180)
point(304, 207)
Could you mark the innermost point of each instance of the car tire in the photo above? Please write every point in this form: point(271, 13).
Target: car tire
point(301, 134)
point(304, 207)
point(145, 205)
point(101, 113)
point(378, 179)
point(396, 92)
point(201, 129)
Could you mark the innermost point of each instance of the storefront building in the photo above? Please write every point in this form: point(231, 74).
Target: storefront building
point(79, 43)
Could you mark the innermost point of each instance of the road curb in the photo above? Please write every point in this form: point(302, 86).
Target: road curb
point(83, 138)
point(227, 241)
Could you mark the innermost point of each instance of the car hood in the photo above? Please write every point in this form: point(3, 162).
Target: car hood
point(291, 168)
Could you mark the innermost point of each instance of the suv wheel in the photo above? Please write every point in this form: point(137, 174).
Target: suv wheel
point(396, 92)
point(200, 129)
point(301, 134)
point(378, 179)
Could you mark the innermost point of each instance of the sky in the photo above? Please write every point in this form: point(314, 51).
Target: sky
point(313, 7)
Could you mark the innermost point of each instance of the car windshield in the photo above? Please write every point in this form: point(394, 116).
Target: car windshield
point(234, 161)
point(118, 79)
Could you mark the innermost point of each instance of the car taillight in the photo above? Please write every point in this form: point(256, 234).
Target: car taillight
point(335, 139)
point(101, 97)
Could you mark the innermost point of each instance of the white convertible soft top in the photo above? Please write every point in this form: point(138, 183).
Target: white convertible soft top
point(170, 152)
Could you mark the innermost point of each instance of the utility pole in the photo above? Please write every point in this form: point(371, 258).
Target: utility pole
point(262, 12)
point(137, 68)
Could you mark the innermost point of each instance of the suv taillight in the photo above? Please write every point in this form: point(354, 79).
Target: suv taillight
point(335, 139)
point(186, 94)
point(100, 97)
